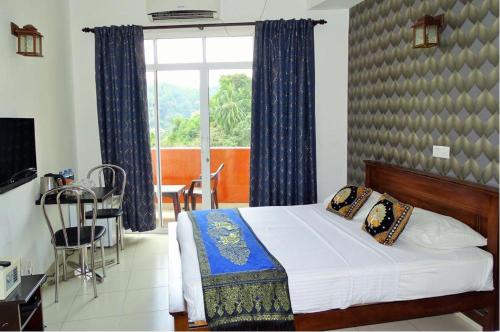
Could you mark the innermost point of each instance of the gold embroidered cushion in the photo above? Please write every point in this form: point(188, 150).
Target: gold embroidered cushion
point(348, 200)
point(387, 219)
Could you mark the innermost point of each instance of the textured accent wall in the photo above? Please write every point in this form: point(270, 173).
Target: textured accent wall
point(402, 101)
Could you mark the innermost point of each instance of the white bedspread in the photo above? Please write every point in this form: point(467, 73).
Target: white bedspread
point(331, 263)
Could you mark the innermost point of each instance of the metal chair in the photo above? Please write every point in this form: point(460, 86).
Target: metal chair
point(109, 172)
point(195, 190)
point(79, 237)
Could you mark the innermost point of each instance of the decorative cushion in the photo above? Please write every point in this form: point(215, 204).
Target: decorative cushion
point(387, 219)
point(348, 200)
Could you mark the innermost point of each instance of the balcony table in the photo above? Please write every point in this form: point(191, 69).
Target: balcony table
point(102, 194)
point(174, 192)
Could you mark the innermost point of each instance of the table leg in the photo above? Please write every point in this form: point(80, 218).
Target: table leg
point(177, 205)
point(82, 270)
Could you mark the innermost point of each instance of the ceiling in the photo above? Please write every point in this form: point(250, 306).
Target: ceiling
point(332, 4)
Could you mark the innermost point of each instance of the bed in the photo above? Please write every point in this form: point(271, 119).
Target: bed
point(353, 281)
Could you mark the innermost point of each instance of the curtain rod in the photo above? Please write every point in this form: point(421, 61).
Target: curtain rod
point(201, 26)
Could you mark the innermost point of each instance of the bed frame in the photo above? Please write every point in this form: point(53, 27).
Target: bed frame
point(474, 205)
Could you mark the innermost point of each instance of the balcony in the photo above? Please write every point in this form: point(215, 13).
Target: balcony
point(181, 165)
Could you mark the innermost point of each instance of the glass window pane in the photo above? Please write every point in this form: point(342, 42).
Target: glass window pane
point(187, 50)
point(29, 44)
point(149, 52)
point(432, 34)
point(419, 36)
point(230, 107)
point(179, 108)
point(230, 127)
point(230, 49)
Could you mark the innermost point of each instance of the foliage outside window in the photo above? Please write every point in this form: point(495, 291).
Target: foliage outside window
point(177, 72)
point(230, 114)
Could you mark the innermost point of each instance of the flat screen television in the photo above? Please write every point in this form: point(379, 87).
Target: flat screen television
point(17, 152)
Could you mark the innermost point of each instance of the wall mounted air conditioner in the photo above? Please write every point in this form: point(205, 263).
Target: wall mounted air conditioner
point(164, 10)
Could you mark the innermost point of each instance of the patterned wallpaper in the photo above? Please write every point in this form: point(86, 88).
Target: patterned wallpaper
point(402, 101)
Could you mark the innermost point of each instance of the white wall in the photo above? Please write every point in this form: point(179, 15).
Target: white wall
point(331, 101)
point(39, 88)
point(331, 72)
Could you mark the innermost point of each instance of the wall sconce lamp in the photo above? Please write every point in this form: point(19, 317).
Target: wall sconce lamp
point(427, 30)
point(29, 40)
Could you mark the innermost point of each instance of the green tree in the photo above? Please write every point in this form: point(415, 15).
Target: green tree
point(230, 111)
point(232, 102)
point(230, 114)
point(185, 132)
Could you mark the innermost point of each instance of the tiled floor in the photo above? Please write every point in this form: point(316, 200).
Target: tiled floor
point(134, 297)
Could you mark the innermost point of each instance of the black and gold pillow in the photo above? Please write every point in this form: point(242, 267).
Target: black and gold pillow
point(348, 200)
point(387, 219)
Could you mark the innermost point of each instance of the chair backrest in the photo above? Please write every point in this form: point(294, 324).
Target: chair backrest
point(77, 193)
point(214, 180)
point(215, 177)
point(111, 175)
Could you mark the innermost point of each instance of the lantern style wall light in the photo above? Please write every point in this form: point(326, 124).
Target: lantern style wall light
point(29, 40)
point(427, 30)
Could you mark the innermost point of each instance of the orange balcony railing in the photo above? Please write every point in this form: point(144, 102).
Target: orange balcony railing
point(181, 165)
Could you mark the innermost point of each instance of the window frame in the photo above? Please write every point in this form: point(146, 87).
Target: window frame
point(204, 68)
point(205, 65)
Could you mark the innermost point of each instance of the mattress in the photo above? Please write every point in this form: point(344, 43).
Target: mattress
point(332, 264)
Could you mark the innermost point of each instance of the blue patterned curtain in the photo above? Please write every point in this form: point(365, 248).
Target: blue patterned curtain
point(283, 146)
point(123, 118)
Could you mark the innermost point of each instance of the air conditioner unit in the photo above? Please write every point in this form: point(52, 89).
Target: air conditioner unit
point(163, 10)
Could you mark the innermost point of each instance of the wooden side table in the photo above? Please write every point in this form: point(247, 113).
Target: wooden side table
point(174, 192)
point(22, 309)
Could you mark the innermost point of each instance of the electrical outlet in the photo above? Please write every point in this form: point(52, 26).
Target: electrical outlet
point(441, 152)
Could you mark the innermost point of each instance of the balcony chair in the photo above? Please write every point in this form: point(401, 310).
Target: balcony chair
point(195, 190)
point(79, 237)
point(115, 211)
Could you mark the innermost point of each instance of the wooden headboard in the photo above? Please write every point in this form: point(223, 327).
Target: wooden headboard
point(473, 204)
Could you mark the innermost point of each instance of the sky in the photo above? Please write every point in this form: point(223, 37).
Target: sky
point(190, 50)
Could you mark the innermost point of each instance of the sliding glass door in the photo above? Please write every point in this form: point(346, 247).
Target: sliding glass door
point(230, 119)
point(199, 94)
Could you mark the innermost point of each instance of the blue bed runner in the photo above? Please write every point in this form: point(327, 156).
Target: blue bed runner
point(244, 286)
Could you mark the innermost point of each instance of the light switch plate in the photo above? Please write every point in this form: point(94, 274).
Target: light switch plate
point(441, 152)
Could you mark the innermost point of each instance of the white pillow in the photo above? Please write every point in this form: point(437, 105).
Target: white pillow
point(364, 210)
point(436, 231)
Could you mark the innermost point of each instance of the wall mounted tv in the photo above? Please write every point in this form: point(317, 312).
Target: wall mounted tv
point(17, 153)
